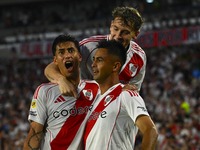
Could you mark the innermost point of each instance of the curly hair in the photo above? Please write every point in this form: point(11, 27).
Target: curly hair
point(130, 16)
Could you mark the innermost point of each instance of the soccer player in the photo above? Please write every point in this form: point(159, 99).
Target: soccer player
point(116, 115)
point(57, 122)
point(125, 26)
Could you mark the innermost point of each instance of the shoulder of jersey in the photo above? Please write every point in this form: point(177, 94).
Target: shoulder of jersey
point(131, 93)
point(47, 86)
point(95, 38)
point(44, 88)
point(136, 48)
point(89, 81)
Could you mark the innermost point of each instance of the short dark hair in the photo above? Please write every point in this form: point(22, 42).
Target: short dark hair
point(130, 16)
point(64, 38)
point(115, 48)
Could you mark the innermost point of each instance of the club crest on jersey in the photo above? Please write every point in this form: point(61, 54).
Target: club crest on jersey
point(108, 99)
point(133, 69)
point(33, 103)
point(88, 94)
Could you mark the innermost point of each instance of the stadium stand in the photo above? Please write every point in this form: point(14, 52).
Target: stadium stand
point(171, 88)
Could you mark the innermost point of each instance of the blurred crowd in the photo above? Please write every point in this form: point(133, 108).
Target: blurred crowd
point(46, 12)
point(56, 16)
point(19, 79)
point(171, 91)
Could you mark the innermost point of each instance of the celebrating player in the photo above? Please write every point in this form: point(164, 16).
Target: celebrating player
point(125, 26)
point(57, 122)
point(116, 115)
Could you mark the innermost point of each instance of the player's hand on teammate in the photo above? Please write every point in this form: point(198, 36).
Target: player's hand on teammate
point(130, 87)
point(67, 88)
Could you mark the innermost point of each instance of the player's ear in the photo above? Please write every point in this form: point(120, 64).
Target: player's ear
point(111, 25)
point(55, 60)
point(80, 57)
point(116, 66)
point(136, 34)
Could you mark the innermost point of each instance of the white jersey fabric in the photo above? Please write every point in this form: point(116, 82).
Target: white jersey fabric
point(133, 70)
point(63, 117)
point(111, 125)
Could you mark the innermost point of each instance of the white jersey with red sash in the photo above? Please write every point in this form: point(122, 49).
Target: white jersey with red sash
point(64, 117)
point(111, 125)
point(133, 70)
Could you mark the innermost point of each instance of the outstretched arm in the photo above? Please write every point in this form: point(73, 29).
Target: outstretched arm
point(33, 139)
point(150, 134)
point(53, 74)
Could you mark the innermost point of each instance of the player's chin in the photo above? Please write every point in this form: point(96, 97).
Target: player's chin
point(95, 76)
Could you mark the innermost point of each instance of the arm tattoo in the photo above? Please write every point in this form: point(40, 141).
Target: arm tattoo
point(50, 78)
point(35, 135)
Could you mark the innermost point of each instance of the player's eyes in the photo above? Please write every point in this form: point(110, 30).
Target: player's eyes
point(71, 50)
point(61, 52)
point(126, 32)
point(100, 60)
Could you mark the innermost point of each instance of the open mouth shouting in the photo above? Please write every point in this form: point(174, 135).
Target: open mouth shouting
point(69, 66)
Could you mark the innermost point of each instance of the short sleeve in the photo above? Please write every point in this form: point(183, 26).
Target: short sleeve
point(134, 104)
point(38, 109)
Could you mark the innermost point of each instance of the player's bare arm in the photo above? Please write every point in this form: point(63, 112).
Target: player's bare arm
point(53, 74)
point(150, 134)
point(34, 136)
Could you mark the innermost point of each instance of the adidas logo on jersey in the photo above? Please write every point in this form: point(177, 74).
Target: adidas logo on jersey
point(88, 94)
point(108, 99)
point(59, 99)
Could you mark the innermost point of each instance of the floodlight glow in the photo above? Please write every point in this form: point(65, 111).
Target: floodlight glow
point(149, 1)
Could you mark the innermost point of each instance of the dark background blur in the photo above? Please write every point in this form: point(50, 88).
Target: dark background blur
point(170, 38)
